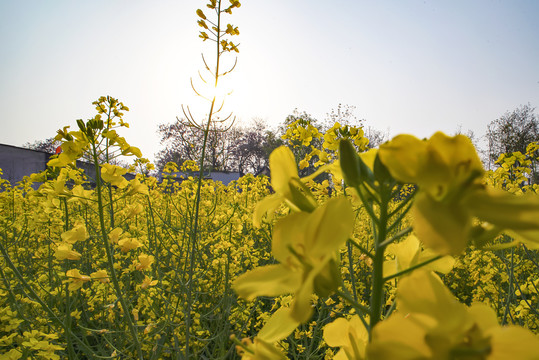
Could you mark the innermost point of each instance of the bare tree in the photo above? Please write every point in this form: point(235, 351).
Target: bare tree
point(512, 132)
point(48, 145)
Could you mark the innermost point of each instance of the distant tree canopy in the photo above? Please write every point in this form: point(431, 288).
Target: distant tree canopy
point(513, 131)
point(48, 145)
point(242, 149)
point(246, 149)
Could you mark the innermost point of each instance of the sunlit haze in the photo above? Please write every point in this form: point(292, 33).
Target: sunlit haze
point(406, 66)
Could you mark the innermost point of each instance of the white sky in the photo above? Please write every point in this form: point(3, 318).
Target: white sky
point(407, 66)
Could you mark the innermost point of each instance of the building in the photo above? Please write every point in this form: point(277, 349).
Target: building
point(17, 162)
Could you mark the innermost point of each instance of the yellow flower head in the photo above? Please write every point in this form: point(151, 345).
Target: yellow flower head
point(287, 185)
point(433, 324)
point(448, 172)
point(65, 252)
point(113, 174)
point(147, 282)
point(76, 279)
point(77, 233)
point(440, 165)
point(145, 261)
point(305, 244)
point(128, 244)
point(100, 275)
point(350, 335)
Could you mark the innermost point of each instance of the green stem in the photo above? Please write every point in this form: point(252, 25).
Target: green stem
point(35, 297)
point(377, 294)
point(361, 309)
point(412, 268)
point(110, 257)
point(398, 235)
point(361, 248)
point(509, 290)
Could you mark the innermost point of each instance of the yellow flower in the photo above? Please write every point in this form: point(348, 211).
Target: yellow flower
point(71, 151)
point(448, 172)
point(133, 209)
point(113, 175)
point(128, 244)
point(114, 235)
point(64, 252)
point(408, 253)
point(350, 335)
point(258, 350)
point(76, 279)
point(433, 324)
point(305, 244)
point(145, 261)
point(136, 187)
point(77, 233)
point(100, 275)
point(147, 282)
point(440, 166)
point(287, 186)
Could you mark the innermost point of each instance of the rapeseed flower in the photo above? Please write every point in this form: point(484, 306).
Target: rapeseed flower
point(305, 244)
point(433, 324)
point(128, 244)
point(100, 275)
point(113, 174)
point(77, 233)
point(144, 262)
point(350, 335)
point(76, 279)
point(287, 185)
point(449, 174)
point(65, 252)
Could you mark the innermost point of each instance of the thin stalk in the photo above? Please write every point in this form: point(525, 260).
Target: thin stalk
point(412, 268)
point(361, 248)
point(509, 290)
point(361, 309)
point(377, 294)
point(35, 297)
point(68, 321)
point(351, 270)
point(194, 230)
point(110, 257)
point(398, 235)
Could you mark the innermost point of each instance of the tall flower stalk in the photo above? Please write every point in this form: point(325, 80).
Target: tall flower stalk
point(213, 31)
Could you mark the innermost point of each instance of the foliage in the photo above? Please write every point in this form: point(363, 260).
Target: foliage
point(243, 149)
point(512, 132)
point(48, 145)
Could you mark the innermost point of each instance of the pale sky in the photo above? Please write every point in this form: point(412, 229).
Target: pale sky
point(407, 66)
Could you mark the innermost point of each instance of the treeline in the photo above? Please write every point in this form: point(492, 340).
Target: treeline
point(246, 148)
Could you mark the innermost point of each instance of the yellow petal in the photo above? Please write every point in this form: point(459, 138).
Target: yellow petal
point(513, 342)
point(434, 299)
point(329, 227)
point(406, 253)
point(398, 338)
point(283, 167)
point(77, 233)
point(506, 210)
point(264, 351)
point(266, 207)
point(279, 326)
point(269, 280)
point(442, 227)
point(403, 156)
point(350, 335)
